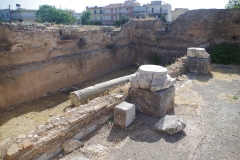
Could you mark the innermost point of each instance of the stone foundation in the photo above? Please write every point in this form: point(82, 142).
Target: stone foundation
point(153, 103)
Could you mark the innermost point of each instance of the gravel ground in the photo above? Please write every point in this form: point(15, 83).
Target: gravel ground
point(209, 104)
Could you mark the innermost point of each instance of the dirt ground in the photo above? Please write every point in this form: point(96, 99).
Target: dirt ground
point(209, 104)
point(24, 117)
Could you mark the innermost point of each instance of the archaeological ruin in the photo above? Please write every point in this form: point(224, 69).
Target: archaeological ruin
point(37, 61)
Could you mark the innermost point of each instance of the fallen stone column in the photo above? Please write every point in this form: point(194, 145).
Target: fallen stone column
point(198, 60)
point(93, 91)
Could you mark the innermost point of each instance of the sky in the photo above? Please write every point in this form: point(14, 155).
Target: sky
point(80, 5)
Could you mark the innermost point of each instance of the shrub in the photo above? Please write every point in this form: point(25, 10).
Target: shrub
point(155, 59)
point(225, 53)
point(123, 20)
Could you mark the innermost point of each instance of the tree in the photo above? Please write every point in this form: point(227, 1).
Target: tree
point(123, 20)
point(233, 4)
point(163, 19)
point(86, 17)
point(50, 14)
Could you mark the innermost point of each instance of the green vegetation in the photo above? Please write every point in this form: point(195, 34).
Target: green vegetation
point(123, 20)
point(155, 59)
point(233, 4)
point(86, 17)
point(47, 13)
point(225, 53)
point(235, 97)
point(163, 19)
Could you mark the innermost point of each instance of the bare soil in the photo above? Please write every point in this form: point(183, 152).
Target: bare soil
point(212, 132)
point(24, 117)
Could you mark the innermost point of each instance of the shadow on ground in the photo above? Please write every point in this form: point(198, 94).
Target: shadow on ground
point(142, 130)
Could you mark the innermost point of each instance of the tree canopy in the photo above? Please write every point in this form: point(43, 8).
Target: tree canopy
point(50, 14)
point(233, 4)
point(86, 17)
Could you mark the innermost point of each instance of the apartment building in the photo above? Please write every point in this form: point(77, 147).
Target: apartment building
point(5, 15)
point(131, 8)
point(97, 13)
point(155, 9)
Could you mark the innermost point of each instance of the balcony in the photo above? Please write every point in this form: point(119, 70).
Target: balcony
point(95, 7)
point(157, 11)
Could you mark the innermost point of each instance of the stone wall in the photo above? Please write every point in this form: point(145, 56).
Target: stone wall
point(43, 60)
point(194, 28)
point(35, 59)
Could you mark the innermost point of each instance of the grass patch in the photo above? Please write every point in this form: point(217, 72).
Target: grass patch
point(235, 97)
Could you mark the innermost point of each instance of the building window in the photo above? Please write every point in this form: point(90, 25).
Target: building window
point(2, 15)
point(161, 10)
point(7, 16)
point(101, 12)
point(152, 10)
point(126, 9)
point(95, 12)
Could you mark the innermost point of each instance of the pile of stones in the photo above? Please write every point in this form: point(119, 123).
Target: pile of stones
point(152, 90)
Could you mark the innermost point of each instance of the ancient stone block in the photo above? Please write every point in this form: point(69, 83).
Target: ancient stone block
point(13, 151)
point(197, 53)
point(71, 145)
point(124, 114)
point(152, 77)
point(153, 103)
point(170, 124)
point(27, 145)
point(200, 65)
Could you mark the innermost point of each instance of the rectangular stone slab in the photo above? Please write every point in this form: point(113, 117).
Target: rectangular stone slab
point(153, 103)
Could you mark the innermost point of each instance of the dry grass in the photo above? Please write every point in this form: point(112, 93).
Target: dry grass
point(25, 117)
point(229, 98)
point(226, 74)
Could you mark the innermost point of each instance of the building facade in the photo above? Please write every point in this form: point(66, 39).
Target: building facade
point(177, 12)
point(5, 15)
point(155, 9)
point(26, 15)
point(111, 13)
point(97, 13)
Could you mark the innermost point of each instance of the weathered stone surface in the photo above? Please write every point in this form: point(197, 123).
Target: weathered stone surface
point(170, 124)
point(13, 151)
point(153, 103)
point(4, 145)
point(197, 53)
point(27, 144)
point(200, 65)
point(152, 77)
point(162, 83)
point(124, 114)
point(71, 145)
